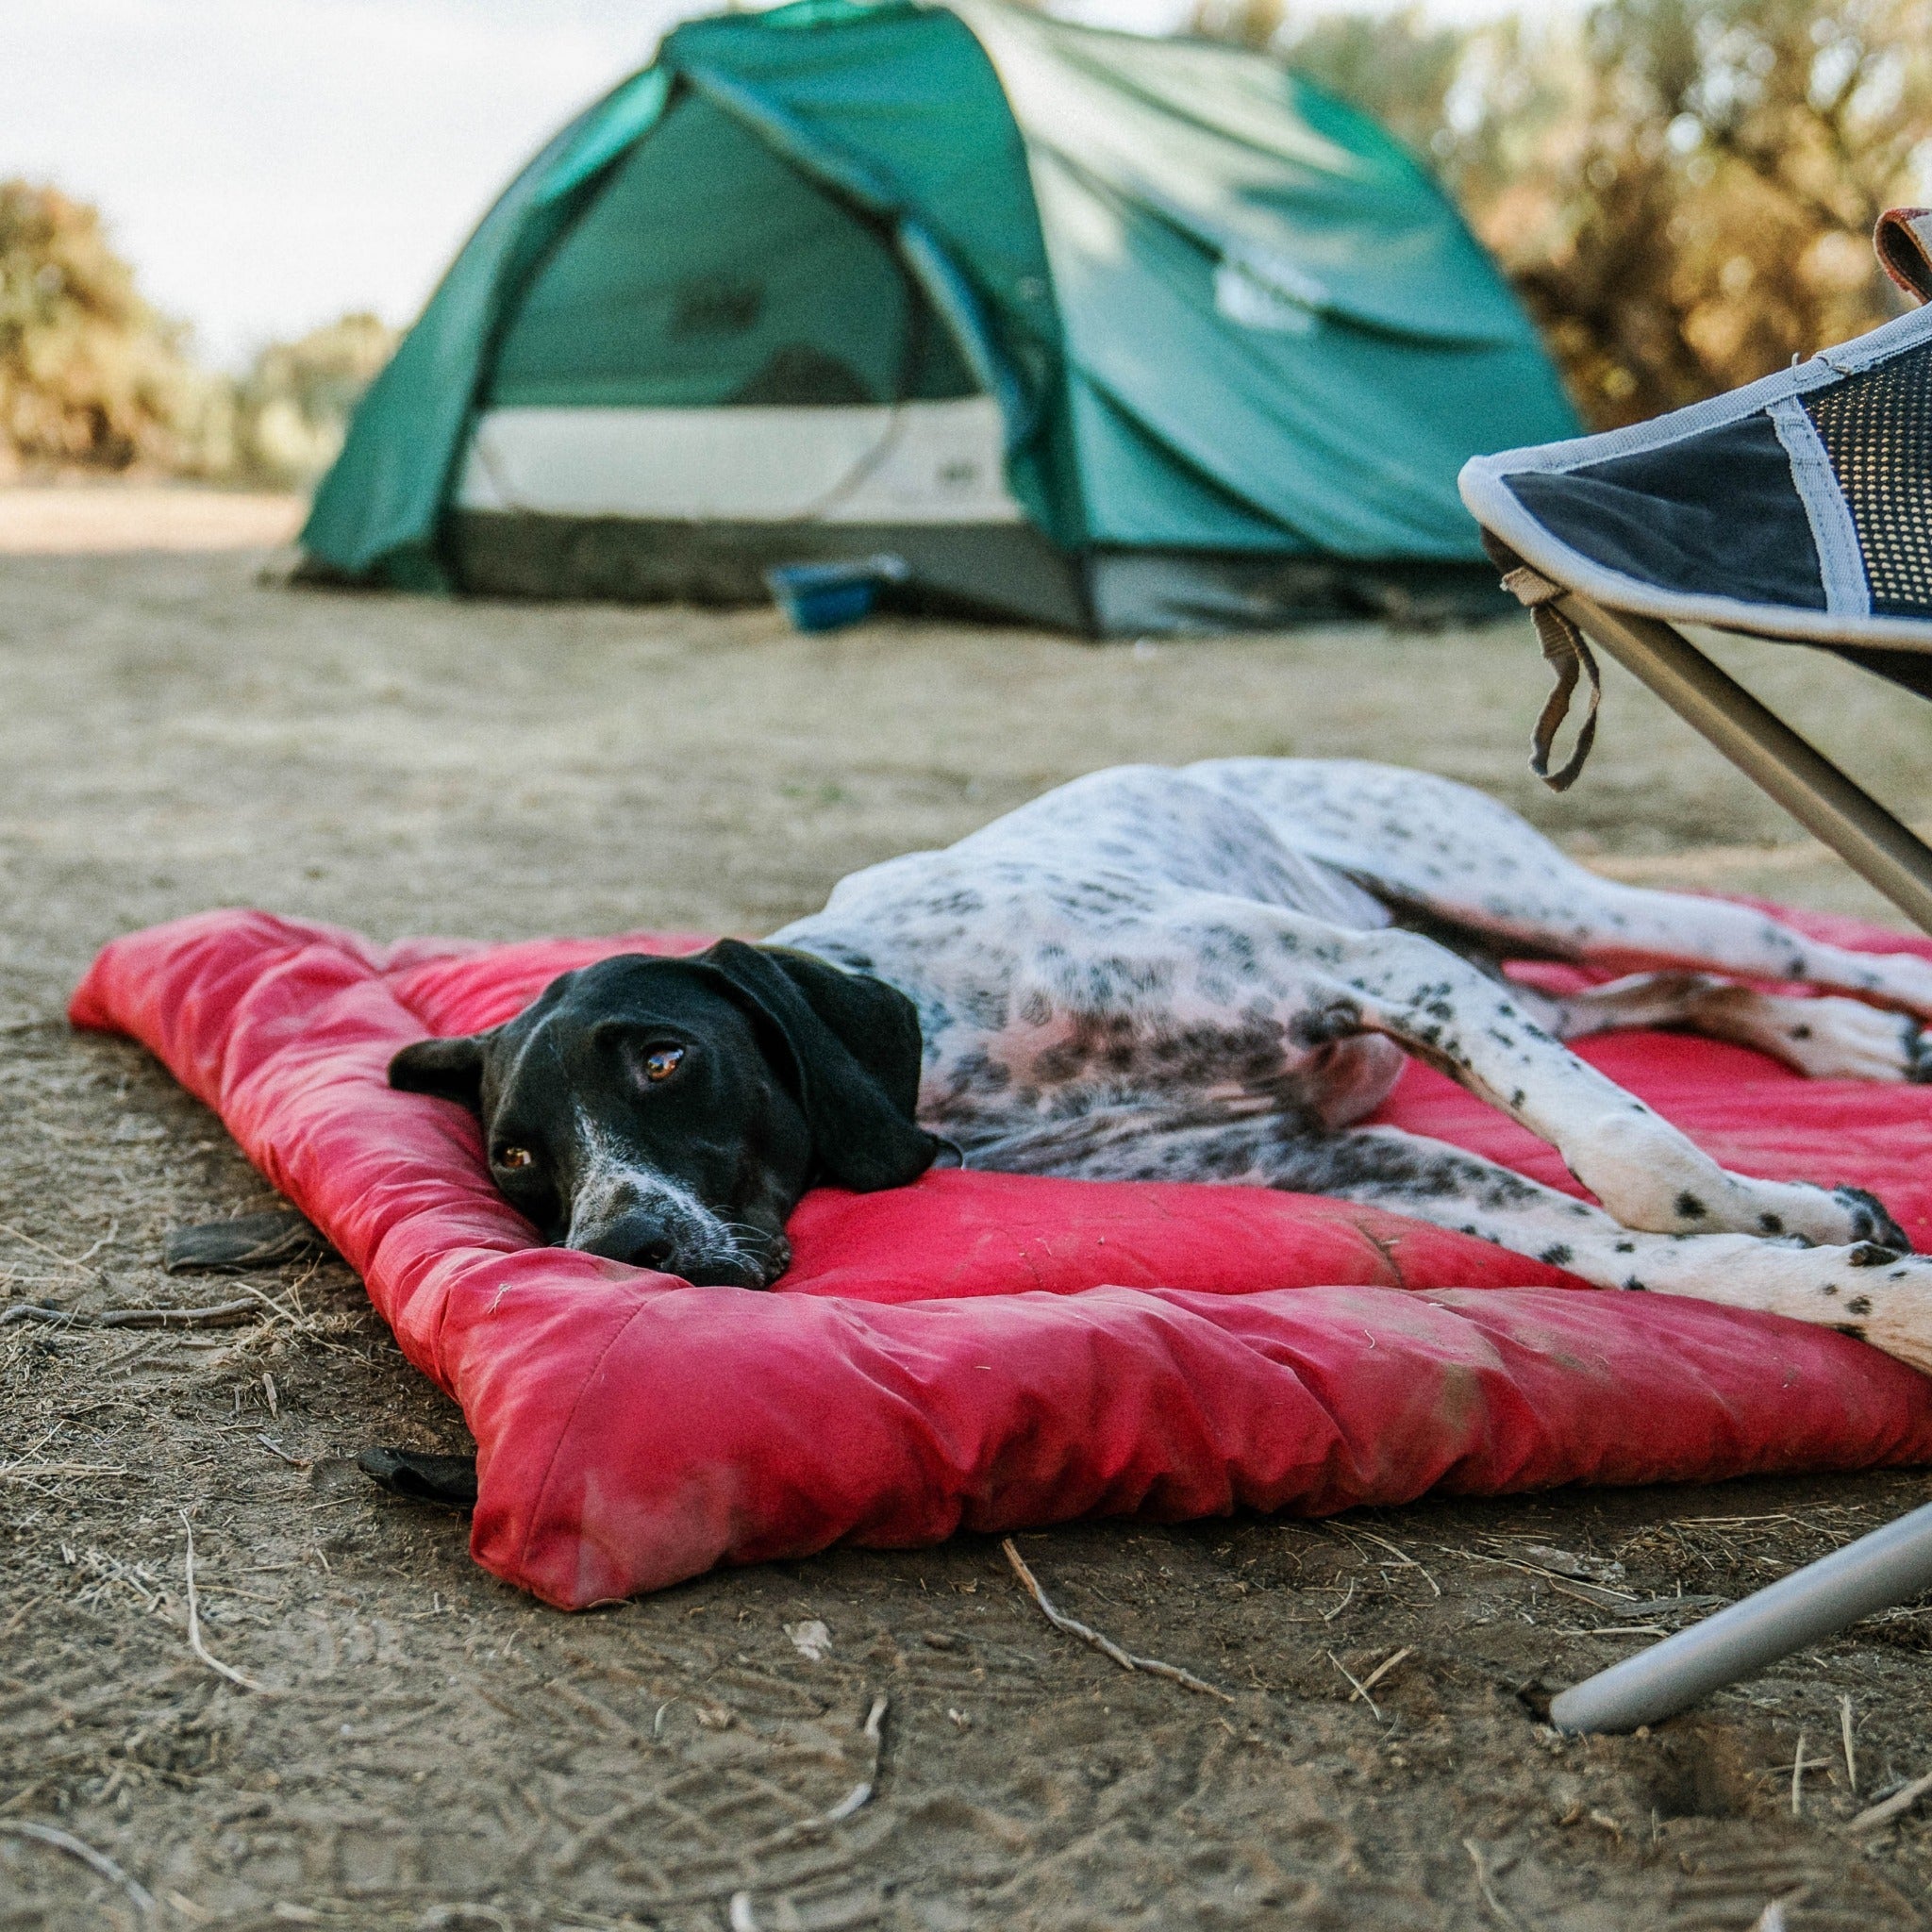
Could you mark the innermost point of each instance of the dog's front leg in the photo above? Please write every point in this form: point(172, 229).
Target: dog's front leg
point(1864, 1289)
point(1647, 1173)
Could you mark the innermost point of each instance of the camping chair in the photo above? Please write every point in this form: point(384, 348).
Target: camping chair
point(1797, 509)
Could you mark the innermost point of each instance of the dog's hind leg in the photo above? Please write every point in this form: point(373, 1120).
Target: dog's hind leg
point(1230, 985)
point(1469, 866)
point(1602, 923)
point(1858, 1287)
point(1824, 1038)
point(1647, 1173)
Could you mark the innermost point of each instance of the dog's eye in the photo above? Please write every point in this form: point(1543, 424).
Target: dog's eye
point(514, 1157)
point(662, 1061)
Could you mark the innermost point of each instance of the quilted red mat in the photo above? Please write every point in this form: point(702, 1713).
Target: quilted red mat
point(989, 1351)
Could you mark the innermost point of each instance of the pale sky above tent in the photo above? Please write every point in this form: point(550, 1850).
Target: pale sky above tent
point(268, 164)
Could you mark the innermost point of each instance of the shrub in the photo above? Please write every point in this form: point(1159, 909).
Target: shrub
point(93, 378)
point(90, 375)
point(292, 408)
point(1682, 190)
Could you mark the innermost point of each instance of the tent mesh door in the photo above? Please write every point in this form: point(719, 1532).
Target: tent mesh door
point(1876, 427)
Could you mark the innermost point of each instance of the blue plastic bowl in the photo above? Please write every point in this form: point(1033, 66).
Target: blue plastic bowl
point(828, 597)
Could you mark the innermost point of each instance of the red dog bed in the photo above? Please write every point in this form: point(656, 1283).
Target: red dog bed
point(989, 1351)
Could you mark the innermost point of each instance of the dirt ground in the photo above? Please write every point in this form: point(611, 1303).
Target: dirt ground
point(442, 1753)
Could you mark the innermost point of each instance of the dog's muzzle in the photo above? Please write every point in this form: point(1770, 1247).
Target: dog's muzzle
point(676, 1236)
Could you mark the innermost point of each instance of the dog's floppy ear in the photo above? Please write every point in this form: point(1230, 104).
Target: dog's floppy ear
point(450, 1069)
point(854, 1052)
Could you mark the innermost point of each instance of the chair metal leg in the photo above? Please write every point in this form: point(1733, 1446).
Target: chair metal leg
point(1894, 1563)
point(1890, 1566)
point(1799, 776)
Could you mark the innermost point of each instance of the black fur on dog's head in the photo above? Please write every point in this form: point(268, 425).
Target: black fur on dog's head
point(670, 1113)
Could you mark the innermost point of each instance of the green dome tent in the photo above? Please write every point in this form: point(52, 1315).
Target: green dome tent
point(1119, 334)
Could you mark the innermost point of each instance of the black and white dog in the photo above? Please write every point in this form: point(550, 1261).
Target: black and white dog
point(1206, 975)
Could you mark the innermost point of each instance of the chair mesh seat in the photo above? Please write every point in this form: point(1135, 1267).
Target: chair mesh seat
point(1798, 508)
point(1876, 428)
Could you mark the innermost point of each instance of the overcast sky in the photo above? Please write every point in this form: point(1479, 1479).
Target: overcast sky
point(267, 164)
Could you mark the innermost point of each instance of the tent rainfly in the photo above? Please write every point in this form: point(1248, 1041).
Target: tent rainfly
point(1093, 330)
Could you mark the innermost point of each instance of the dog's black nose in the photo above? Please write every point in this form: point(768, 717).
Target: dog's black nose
point(641, 1238)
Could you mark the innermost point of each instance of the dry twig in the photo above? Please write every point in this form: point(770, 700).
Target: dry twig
point(1488, 1890)
point(1886, 1809)
point(1844, 1725)
point(33, 1311)
point(855, 1800)
point(1609, 1630)
point(1598, 1595)
point(20, 1615)
point(739, 1915)
point(195, 1641)
point(97, 1863)
point(1360, 1689)
point(8, 1229)
point(1383, 1669)
point(1401, 1556)
point(860, 1794)
point(25, 1472)
point(1329, 1616)
point(224, 1314)
point(1105, 1645)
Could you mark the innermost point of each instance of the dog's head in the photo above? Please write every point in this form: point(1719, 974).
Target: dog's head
point(670, 1113)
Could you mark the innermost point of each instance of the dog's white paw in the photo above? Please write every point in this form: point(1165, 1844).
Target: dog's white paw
point(1844, 1040)
point(1652, 1180)
point(1822, 1216)
point(1864, 1289)
point(1874, 1292)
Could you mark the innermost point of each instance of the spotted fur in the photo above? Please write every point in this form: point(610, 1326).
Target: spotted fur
point(1214, 973)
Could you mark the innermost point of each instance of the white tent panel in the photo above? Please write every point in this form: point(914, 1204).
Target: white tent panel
point(937, 462)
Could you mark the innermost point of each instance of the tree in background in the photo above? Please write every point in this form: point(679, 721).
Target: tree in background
point(1682, 190)
point(291, 410)
point(90, 375)
point(94, 378)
